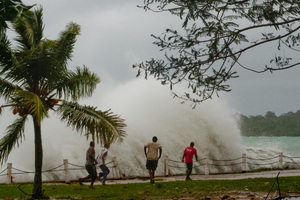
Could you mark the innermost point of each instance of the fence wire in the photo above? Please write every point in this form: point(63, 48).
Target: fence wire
point(179, 164)
point(3, 172)
point(232, 162)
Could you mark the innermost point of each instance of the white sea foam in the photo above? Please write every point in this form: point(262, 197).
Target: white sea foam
point(149, 110)
point(264, 152)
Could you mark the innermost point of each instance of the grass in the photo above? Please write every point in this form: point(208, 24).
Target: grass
point(159, 190)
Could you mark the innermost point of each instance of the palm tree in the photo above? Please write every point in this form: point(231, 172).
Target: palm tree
point(34, 80)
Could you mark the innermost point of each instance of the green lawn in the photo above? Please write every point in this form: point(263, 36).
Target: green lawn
point(159, 190)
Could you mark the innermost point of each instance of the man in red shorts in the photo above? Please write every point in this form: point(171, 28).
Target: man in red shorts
point(188, 154)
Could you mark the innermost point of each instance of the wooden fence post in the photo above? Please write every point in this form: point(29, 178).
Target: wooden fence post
point(9, 176)
point(66, 165)
point(233, 168)
point(166, 168)
point(280, 160)
point(244, 163)
point(207, 165)
point(116, 167)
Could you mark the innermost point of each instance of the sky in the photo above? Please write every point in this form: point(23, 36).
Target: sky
point(117, 34)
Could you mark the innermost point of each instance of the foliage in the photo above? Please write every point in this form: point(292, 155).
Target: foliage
point(159, 190)
point(34, 80)
point(9, 11)
point(270, 125)
point(215, 37)
point(104, 126)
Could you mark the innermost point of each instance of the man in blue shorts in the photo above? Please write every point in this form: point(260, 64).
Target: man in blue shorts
point(101, 161)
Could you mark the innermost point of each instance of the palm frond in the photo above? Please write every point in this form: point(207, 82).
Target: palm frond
point(66, 42)
point(13, 136)
point(29, 103)
point(9, 11)
point(51, 69)
point(6, 87)
point(30, 28)
point(39, 65)
point(105, 126)
point(79, 83)
point(54, 55)
point(5, 54)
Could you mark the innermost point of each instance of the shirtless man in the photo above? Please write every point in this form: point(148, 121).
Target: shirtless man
point(90, 166)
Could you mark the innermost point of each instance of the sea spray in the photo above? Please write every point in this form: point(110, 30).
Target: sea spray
point(149, 110)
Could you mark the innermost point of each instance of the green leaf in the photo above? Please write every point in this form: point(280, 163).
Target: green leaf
point(103, 126)
point(13, 136)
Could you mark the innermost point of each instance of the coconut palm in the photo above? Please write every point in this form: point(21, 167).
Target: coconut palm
point(34, 80)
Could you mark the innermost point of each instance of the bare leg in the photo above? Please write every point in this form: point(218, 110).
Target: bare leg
point(92, 183)
point(84, 179)
point(87, 178)
point(151, 173)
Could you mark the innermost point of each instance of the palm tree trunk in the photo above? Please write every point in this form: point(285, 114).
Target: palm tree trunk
point(37, 185)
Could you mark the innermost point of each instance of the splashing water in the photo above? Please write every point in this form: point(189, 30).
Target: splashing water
point(149, 110)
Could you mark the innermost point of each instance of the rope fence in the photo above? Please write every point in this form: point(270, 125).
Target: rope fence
point(241, 164)
point(10, 171)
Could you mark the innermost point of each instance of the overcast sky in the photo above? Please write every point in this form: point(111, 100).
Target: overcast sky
point(116, 34)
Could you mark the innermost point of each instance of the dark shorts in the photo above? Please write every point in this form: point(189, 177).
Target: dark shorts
point(151, 164)
point(91, 169)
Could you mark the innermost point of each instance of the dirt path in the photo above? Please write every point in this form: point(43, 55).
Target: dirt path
point(264, 174)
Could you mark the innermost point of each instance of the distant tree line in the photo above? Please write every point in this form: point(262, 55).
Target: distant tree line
point(287, 124)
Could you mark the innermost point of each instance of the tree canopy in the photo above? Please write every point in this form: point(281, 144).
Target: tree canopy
point(286, 124)
point(215, 35)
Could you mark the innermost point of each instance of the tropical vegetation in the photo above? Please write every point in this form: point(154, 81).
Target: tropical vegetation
point(10, 10)
point(35, 82)
point(215, 40)
point(286, 124)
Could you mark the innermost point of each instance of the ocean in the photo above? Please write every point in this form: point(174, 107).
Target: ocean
point(289, 146)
